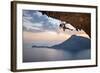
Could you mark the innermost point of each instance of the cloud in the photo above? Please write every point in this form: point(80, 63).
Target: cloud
point(35, 19)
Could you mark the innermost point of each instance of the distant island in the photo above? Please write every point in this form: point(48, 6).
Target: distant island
point(40, 46)
point(73, 44)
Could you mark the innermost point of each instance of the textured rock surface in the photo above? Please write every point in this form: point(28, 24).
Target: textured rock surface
point(78, 20)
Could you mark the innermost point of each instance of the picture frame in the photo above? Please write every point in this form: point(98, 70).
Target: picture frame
point(37, 22)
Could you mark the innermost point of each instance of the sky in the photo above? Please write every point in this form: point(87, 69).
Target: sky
point(36, 21)
point(40, 27)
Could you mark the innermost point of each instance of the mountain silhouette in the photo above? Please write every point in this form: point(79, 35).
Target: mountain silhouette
point(74, 44)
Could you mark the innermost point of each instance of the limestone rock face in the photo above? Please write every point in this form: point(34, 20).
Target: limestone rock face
point(78, 20)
